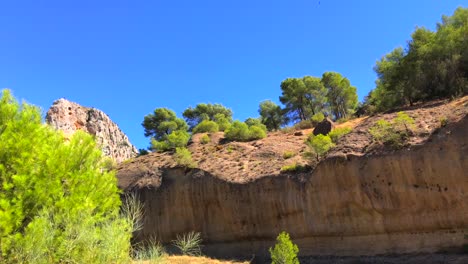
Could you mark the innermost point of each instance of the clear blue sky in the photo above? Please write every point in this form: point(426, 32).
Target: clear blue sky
point(129, 57)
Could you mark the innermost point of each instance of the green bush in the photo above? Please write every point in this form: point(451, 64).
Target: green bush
point(293, 168)
point(393, 133)
point(57, 201)
point(222, 121)
point(206, 126)
point(257, 132)
point(320, 144)
point(403, 123)
point(288, 154)
point(205, 139)
point(240, 131)
point(285, 251)
point(443, 121)
point(176, 139)
point(317, 118)
point(337, 133)
point(183, 157)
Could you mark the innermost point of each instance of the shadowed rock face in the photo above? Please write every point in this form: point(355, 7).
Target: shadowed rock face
point(70, 117)
point(411, 200)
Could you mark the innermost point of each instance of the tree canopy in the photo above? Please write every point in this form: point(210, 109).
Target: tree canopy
point(271, 115)
point(341, 96)
point(433, 65)
point(166, 130)
point(210, 112)
point(302, 97)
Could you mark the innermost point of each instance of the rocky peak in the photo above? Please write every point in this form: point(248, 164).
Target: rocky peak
point(70, 117)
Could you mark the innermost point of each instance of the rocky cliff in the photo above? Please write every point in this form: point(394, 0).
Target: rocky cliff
point(361, 200)
point(70, 117)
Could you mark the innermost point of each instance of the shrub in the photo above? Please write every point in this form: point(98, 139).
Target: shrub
point(205, 139)
point(222, 121)
point(150, 252)
point(142, 152)
point(288, 154)
point(337, 133)
point(57, 201)
point(443, 121)
point(317, 118)
point(176, 139)
point(240, 131)
point(257, 132)
point(320, 144)
point(293, 168)
point(206, 126)
point(393, 133)
point(189, 244)
point(285, 251)
point(403, 123)
point(183, 157)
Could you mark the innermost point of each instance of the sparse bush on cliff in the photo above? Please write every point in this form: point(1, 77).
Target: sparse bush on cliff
point(288, 154)
point(183, 157)
point(58, 201)
point(285, 251)
point(394, 132)
point(189, 244)
point(320, 144)
point(337, 133)
point(293, 168)
point(206, 126)
point(205, 139)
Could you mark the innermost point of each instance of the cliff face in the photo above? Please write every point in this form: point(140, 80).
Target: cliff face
point(411, 200)
point(70, 117)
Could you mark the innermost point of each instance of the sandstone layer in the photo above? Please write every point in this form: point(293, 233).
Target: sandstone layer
point(70, 117)
point(409, 200)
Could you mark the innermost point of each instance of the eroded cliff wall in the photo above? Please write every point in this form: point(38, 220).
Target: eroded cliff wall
point(409, 200)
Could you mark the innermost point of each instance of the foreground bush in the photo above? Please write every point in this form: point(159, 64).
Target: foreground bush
point(285, 251)
point(58, 203)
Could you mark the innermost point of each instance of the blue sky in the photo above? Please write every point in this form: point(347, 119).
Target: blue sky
point(129, 57)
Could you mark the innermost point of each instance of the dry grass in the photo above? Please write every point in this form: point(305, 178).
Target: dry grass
point(194, 260)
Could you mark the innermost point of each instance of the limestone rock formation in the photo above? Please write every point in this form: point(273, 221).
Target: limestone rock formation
point(70, 117)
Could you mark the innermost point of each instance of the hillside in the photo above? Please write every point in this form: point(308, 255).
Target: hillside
point(361, 199)
point(242, 162)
